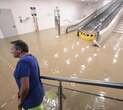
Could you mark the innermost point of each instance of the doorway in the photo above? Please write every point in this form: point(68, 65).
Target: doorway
point(7, 24)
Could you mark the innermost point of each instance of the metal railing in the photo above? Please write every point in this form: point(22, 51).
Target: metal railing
point(98, 83)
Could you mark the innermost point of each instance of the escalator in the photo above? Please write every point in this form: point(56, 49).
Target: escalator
point(92, 28)
point(87, 28)
point(103, 17)
point(83, 22)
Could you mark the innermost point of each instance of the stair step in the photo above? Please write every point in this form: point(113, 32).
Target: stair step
point(121, 18)
point(121, 22)
point(119, 27)
point(119, 31)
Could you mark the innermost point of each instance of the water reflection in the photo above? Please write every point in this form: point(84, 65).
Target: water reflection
point(68, 57)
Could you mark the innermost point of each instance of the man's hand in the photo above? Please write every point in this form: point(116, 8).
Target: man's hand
point(19, 105)
point(19, 108)
point(23, 92)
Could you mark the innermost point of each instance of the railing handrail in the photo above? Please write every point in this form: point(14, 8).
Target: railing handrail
point(83, 81)
point(86, 82)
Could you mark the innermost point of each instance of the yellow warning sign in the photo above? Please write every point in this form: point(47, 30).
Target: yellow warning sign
point(87, 36)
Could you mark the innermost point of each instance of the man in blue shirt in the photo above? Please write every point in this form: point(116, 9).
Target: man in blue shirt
point(27, 76)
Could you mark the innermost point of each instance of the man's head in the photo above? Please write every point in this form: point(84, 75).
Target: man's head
point(18, 48)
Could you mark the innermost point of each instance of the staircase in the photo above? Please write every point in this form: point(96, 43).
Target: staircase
point(119, 26)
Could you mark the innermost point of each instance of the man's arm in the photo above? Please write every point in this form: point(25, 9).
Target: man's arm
point(24, 90)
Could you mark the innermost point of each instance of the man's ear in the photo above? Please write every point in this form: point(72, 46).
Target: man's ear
point(19, 51)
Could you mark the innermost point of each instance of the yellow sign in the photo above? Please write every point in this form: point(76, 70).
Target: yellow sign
point(87, 36)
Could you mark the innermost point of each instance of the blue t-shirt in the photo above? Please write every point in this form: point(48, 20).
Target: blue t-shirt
point(28, 66)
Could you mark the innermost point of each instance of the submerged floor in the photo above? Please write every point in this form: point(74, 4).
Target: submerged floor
point(66, 56)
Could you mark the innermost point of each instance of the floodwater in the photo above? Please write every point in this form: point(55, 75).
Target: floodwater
point(70, 57)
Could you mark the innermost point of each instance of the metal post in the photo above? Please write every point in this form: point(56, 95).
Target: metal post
point(34, 15)
point(60, 95)
point(59, 28)
point(57, 20)
point(98, 31)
